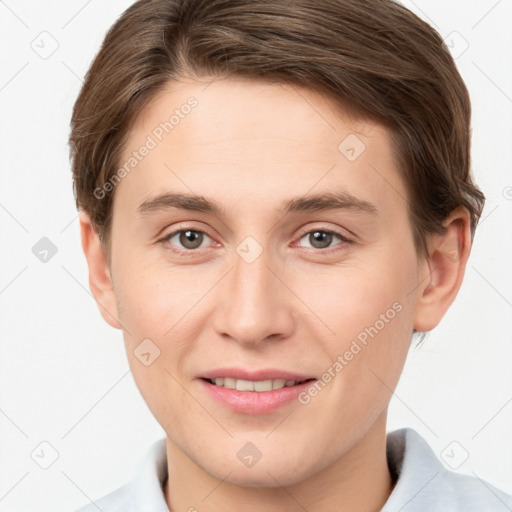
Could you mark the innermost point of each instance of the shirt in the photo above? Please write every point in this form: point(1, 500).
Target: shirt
point(422, 483)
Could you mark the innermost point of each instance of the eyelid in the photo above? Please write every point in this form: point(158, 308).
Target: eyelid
point(342, 245)
point(334, 231)
point(306, 230)
point(184, 226)
point(166, 238)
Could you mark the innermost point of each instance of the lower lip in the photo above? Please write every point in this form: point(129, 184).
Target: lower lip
point(254, 402)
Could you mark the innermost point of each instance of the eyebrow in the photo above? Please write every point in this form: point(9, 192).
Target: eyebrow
point(310, 203)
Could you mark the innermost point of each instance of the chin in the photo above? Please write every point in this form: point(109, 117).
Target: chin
point(275, 468)
point(267, 475)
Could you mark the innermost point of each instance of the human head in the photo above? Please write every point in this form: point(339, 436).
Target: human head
point(366, 68)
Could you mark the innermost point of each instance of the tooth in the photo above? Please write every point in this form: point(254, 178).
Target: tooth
point(229, 383)
point(244, 385)
point(278, 383)
point(263, 385)
point(248, 385)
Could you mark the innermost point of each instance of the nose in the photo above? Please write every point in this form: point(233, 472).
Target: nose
point(255, 304)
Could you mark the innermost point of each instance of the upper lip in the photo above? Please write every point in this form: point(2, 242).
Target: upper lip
point(254, 375)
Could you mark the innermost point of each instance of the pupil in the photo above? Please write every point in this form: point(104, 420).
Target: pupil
point(320, 239)
point(191, 239)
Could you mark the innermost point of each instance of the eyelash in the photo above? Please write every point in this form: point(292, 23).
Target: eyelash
point(190, 252)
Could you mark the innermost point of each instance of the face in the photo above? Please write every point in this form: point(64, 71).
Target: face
point(262, 239)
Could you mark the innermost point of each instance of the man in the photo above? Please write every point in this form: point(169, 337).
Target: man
point(276, 197)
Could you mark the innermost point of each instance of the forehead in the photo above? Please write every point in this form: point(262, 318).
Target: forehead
point(247, 109)
point(243, 136)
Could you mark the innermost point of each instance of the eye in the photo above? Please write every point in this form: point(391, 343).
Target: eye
point(323, 238)
point(185, 239)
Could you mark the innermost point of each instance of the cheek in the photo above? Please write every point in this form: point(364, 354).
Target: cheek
point(375, 326)
point(154, 302)
point(348, 299)
point(369, 311)
point(162, 304)
point(154, 297)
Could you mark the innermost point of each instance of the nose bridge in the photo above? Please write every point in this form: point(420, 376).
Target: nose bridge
point(255, 305)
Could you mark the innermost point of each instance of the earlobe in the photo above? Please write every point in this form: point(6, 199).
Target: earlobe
point(443, 271)
point(100, 281)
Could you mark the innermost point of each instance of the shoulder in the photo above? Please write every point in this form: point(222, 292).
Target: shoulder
point(472, 494)
point(143, 492)
point(424, 485)
point(116, 501)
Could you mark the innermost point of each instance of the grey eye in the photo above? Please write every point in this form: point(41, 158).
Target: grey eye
point(320, 238)
point(188, 238)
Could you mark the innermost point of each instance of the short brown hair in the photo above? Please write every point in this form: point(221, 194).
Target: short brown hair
point(372, 56)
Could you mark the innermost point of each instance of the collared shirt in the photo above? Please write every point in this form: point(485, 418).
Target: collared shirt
point(422, 483)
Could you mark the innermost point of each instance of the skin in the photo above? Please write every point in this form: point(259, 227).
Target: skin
point(250, 146)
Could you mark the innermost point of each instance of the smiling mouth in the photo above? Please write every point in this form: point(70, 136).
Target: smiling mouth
point(258, 386)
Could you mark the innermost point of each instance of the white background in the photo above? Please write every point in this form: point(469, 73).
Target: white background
point(65, 376)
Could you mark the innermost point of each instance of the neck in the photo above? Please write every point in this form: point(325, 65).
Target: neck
point(358, 480)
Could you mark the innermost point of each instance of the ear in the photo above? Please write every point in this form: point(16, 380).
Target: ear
point(444, 268)
point(100, 281)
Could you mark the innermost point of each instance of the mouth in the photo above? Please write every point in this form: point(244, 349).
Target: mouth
point(253, 391)
point(259, 386)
